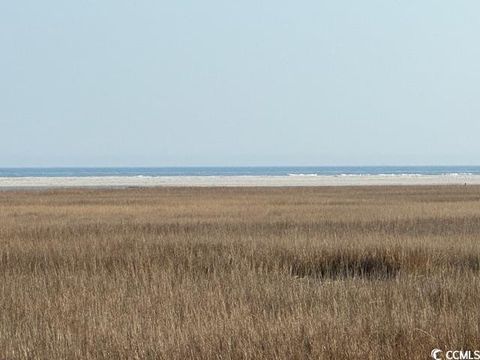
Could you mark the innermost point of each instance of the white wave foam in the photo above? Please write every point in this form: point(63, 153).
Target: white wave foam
point(302, 174)
point(457, 174)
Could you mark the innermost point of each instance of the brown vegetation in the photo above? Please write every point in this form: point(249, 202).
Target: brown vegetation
point(246, 273)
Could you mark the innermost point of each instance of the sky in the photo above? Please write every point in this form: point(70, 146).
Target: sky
point(239, 83)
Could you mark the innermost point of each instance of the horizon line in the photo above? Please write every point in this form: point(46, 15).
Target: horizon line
point(226, 166)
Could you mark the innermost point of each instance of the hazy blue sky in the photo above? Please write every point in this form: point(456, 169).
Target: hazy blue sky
point(161, 83)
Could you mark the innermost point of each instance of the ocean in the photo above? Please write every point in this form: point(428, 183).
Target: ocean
point(241, 171)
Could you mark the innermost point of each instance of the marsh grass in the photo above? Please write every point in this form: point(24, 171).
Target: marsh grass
point(245, 273)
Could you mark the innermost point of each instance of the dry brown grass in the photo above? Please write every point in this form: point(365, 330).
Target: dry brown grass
point(324, 273)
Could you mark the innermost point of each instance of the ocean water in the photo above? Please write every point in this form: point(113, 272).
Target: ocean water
point(243, 171)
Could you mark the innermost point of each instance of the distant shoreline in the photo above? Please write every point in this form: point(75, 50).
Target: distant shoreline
point(234, 181)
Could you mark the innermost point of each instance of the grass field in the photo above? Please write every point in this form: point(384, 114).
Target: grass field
point(239, 273)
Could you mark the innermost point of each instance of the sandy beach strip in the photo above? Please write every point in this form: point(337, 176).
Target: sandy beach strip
point(231, 181)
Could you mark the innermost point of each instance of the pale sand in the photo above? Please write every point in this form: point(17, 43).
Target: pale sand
point(121, 181)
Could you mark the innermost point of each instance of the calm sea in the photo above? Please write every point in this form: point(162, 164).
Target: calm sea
point(242, 171)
